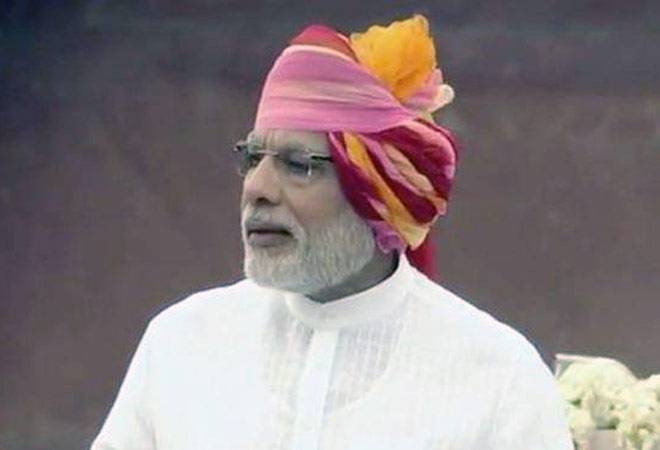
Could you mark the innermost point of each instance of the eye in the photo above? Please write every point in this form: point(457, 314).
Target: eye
point(297, 163)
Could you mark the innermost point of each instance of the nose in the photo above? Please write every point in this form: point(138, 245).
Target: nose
point(262, 184)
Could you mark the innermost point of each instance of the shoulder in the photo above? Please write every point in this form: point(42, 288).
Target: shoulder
point(481, 336)
point(213, 307)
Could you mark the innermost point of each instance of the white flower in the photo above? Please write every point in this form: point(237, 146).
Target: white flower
point(594, 386)
point(652, 383)
point(580, 422)
point(638, 414)
point(602, 393)
point(591, 387)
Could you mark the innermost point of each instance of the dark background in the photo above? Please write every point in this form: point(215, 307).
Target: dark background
point(117, 196)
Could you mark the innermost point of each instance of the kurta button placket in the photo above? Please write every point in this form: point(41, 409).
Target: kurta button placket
point(313, 391)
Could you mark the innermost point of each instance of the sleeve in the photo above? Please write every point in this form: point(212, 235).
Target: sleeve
point(128, 425)
point(531, 413)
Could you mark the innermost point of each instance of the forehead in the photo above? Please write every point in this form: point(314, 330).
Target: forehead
point(314, 141)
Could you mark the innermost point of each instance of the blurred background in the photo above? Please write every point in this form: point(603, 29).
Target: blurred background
point(118, 196)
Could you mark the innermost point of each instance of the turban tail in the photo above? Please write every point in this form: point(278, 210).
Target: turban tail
point(394, 164)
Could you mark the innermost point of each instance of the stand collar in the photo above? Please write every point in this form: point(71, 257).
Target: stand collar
point(364, 306)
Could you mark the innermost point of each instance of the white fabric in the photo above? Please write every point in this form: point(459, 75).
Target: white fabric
point(403, 365)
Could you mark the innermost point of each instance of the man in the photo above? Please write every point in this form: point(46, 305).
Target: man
point(335, 340)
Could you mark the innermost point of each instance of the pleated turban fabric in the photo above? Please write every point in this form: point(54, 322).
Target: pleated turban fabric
point(373, 94)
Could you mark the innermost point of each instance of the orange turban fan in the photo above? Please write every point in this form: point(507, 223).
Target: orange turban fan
point(373, 94)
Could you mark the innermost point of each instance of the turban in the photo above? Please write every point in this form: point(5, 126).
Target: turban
point(373, 94)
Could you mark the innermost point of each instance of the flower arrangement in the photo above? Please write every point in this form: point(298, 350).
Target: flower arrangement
point(603, 394)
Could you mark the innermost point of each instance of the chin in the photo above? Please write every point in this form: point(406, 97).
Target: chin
point(264, 257)
point(275, 268)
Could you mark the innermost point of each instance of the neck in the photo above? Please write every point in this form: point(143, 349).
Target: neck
point(376, 270)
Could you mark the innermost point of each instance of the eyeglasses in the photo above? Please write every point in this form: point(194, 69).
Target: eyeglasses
point(296, 164)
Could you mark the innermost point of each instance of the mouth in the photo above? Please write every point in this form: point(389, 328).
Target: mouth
point(267, 234)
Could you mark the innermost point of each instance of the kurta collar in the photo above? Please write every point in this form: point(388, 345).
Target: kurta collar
point(357, 308)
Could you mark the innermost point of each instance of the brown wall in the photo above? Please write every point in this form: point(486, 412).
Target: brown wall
point(117, 196)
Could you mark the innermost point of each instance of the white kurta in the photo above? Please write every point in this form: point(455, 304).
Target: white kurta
point(405, 365)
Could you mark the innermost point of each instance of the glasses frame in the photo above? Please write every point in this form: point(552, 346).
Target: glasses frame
point(245, 146)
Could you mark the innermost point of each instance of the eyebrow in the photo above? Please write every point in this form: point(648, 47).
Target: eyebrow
point(287, 145)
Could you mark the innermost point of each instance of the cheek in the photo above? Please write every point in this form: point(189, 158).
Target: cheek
point(317, 205)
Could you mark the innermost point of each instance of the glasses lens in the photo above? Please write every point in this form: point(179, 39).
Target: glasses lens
point(247, 158)
point(297, 164)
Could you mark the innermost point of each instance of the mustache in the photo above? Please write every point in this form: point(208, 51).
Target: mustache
point(252, 217)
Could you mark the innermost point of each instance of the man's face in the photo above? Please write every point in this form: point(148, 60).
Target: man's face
point(299, 233)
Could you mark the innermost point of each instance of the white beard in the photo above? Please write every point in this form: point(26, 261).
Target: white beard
point(320, 257)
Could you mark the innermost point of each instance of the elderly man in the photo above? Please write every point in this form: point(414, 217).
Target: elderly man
point(335, 340)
